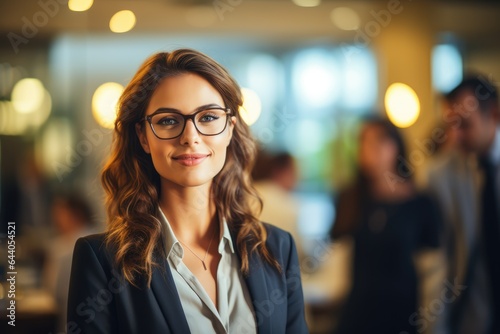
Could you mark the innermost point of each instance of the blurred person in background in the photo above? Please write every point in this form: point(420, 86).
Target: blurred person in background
point(73, 218)
point(467, 187)
point(26, 197)
point(34, 191)
point(276, 176)
point(444, 146)
point(389, 222)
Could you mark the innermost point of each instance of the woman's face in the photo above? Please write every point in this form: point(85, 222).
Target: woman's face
point(377, 151)
point(191, 159)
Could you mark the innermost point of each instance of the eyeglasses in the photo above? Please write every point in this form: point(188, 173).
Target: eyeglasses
point(171, 124)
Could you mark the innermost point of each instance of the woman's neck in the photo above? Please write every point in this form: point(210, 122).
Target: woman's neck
point(189, 210)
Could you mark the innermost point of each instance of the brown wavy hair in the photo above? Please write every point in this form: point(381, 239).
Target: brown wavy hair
point(132, 184)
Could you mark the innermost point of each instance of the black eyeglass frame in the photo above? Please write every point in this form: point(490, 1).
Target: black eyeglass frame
point(191, 117)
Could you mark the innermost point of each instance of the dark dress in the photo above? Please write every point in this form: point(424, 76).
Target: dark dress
point(386, 236)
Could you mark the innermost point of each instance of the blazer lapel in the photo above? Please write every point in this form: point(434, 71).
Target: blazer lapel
point(257, 287)
point(163, 286)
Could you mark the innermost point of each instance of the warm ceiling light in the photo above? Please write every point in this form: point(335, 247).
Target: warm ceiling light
point(80, 5)
point(252, 106)
point(122, 21)
point(28, 95)
point(105, 102)
point(345, 18)
point(307, 3)
point(402, 105)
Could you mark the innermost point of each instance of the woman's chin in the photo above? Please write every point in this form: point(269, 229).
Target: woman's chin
point(191, 182)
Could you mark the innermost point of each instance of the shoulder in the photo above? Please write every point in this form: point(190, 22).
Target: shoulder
point(276, 235)
point(454, 163)
point(92, 249)
point(280, 243)
point(96, 242)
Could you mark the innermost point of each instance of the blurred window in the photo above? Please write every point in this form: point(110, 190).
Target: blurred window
point(447, 67)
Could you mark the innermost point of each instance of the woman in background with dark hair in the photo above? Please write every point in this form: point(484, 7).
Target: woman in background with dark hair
point(389, 222)
point(183, 251)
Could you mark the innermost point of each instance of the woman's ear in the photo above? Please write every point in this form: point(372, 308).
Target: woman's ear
point(232, 123)
point(141, 134)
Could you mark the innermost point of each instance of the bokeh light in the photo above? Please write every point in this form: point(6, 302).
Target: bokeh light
point(307, 3)
point(30, 106)
point(447, 67)
point(122, 21)
point(27, 95)
point(53, 144)
point(80, 5)
point(252, 106)
point(104, 103)
point(402, 105)
point(315, 79)
point(12, 123)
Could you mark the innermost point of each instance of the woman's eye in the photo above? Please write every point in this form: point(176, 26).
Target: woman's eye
point(167, 121)
point(208, 118)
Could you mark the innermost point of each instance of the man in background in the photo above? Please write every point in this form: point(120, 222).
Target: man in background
point(467, 187)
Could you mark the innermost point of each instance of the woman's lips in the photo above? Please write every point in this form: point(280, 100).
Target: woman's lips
point(190, 159)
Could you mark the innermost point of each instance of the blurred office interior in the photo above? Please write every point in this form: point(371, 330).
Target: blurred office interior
point(310, 70)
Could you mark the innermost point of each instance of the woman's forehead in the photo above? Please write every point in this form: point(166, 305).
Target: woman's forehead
point(184, 92)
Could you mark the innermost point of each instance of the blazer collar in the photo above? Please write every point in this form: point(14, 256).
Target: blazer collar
point(257, 287)
point(163, 286)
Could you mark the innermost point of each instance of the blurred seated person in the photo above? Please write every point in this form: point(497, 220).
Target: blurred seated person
point(73, 218)
point(275, 177)
point(389, 222)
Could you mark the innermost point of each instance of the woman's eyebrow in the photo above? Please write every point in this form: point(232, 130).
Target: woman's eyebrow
point(203, 107)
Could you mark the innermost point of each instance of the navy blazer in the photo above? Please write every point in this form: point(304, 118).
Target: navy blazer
point(101, 301)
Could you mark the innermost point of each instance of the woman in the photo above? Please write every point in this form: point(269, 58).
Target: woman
point(389, 222)
point(183, 251)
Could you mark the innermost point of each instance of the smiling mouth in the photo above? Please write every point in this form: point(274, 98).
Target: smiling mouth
point(190, 159)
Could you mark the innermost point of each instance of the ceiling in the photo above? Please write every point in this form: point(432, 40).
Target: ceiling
point(476, 23)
